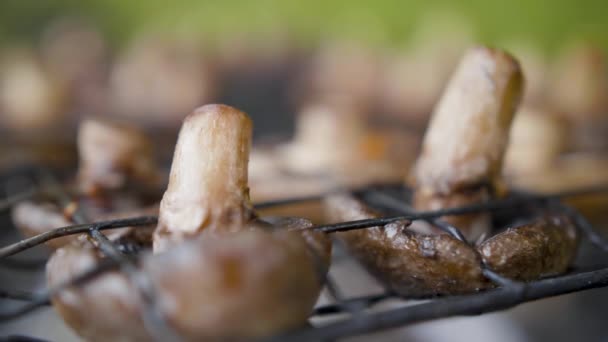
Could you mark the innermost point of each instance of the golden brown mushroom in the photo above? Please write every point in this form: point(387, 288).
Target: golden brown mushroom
point(461, 164)
point(217, 273)
point(415, 264)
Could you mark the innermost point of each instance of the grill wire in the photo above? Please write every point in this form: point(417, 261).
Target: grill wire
point(358, 319)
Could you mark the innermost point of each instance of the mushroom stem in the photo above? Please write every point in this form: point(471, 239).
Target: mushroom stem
point(208, 181)
point(463, 148)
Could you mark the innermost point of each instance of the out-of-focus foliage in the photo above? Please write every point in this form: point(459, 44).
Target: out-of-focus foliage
point(547, 22)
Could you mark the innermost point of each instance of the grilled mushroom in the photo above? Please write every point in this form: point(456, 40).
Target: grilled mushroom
point(217, 272)
point(415, 264)
point(461, 164)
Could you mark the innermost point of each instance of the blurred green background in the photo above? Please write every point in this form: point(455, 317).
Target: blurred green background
point(547, 23)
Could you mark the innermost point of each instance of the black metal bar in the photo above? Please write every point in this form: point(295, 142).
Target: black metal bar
point(18, 295)
point(75, 229)
point(494, 205)
point(21, 338)
point(363, 301)
point(489, 301)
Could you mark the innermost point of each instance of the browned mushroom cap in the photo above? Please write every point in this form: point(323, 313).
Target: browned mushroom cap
point(208, 182)
point(463, 148)
point(412, 264)
point(221, 285)
point(244, 285)
point(111, 154)
point(420, 265)
point(542, 248)
point(102, 309)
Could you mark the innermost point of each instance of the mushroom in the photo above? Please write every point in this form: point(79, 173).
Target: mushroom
point(217, 272)
point(117, 175)
point(461, 164)
point(417, 265)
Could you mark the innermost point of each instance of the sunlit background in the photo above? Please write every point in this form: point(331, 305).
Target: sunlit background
point(547, 23)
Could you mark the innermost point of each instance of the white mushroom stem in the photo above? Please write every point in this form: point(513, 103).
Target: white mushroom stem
point(464, 145)
point(208, 182)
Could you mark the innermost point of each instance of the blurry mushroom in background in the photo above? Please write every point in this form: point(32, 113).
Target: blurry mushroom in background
point(334, 146)
point(157, 79)
point(579, 90)
point(31, 100)
point(538, 137)
point(336, 139)
point(342, 69)
point(76, 53)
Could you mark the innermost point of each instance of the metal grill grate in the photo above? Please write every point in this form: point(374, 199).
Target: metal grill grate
point(357, 318)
